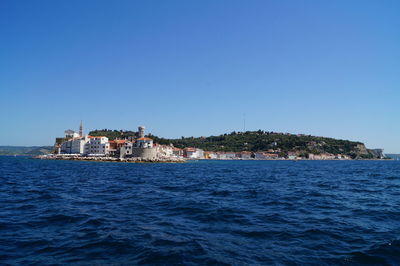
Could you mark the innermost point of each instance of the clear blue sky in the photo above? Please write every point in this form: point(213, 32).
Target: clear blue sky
point(193, 68)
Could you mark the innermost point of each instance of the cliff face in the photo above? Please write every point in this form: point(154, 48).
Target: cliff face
point(361, 149)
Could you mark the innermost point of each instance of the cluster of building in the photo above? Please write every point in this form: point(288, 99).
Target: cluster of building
point(77, 143)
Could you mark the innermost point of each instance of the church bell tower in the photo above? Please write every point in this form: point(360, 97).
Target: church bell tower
point(81, 130)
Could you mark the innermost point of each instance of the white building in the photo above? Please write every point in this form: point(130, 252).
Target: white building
point(260, 156)
point(193, 153)
point(245, 155)
point(74, 146)
point(126, 150)
point(221, 155)
point(97, 146)
point(69, 134)
point(177, 152)
point(230, 155)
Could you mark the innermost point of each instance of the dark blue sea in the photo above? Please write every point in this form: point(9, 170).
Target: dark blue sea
point(197, 213)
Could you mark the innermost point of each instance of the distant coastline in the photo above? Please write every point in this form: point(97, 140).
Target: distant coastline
point(257, 145)
point(136, 146)
point(393, 156)
point(25, 150)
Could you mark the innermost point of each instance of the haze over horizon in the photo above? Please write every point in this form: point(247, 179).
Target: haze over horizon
point(193, 68)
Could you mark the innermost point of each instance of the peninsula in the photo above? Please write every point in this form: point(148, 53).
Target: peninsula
point(136, 146)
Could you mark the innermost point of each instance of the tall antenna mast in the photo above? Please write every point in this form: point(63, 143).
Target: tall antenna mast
point(244, 122)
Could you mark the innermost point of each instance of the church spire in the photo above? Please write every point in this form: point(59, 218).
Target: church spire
point(81, 129)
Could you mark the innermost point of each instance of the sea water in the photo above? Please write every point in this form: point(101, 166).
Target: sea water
point(204, 212)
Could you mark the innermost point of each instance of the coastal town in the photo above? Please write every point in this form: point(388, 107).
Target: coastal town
point(75, 145)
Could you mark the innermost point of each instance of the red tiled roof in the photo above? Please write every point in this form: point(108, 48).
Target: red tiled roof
point(144, 139)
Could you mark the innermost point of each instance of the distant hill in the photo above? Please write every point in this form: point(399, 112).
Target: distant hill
point(25, 150)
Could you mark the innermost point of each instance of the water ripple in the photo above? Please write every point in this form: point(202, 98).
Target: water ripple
point(206, 212)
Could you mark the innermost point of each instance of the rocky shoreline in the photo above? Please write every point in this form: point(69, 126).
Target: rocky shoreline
point(110, 159)
point(167, 160)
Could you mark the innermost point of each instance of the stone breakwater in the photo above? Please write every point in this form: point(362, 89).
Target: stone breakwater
point(110, 159)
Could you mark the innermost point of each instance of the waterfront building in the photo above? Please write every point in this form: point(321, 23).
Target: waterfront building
point(115, 146)
point(269, 155)
point(291, 155)
point(126, 149)
point(221, 155)
point(65, 147)
point(259, 155)
point(325, 156)
point(74, 146)
point(230, 155)
point(262, 155)
point(193, 153)
point(97, 145)
point(141, 148)
point(177, 152)
point(144, 149)
point(245, 155)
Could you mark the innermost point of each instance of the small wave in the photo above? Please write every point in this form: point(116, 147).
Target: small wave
point(33, 243)
point(62, 218)
point(263, 234)
point(94, 222)
point(223, 215)
point(25, 207)
point(170, 188)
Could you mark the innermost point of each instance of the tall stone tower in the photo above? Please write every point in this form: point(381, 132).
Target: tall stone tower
point(81, 129)
point(141, 131)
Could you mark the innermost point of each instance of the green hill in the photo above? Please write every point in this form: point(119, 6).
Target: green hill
point(113, 134)
point(263, 140)
point(259, 141)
